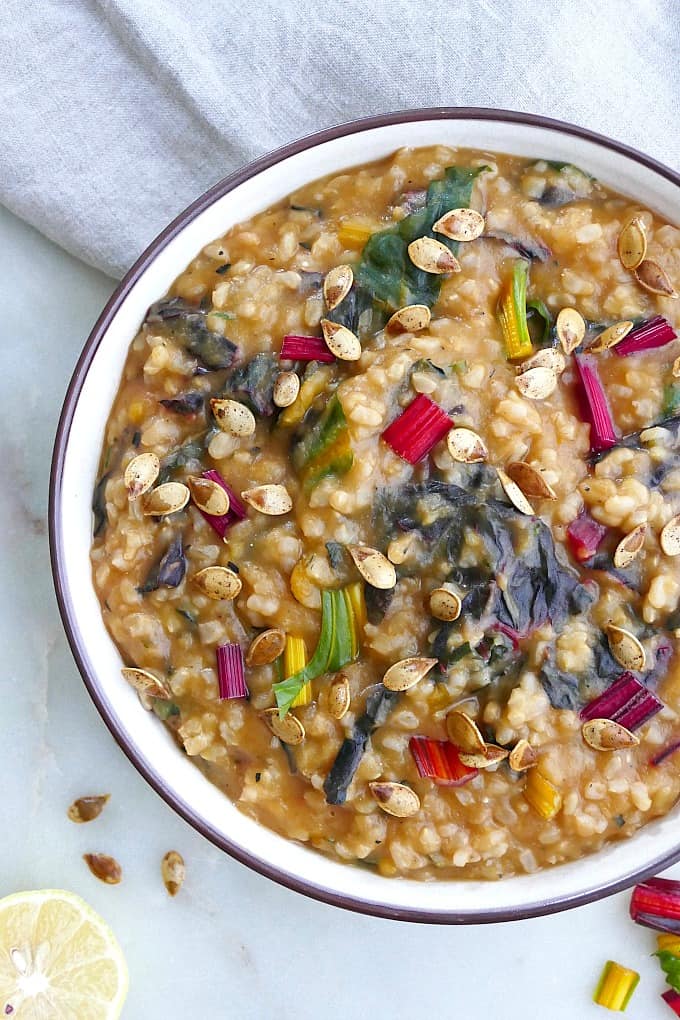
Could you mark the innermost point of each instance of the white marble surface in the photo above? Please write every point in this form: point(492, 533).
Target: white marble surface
point(231, 944)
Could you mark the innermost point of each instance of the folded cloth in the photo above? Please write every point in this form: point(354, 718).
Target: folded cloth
point(115, 114)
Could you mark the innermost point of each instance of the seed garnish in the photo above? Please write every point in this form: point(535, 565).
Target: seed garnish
point(341, 341)
point(409, 319)
point(140, 474)
point(515, 494)
point(432, 256)
point(630, 547)
point(208, 496)
point(464, 733)
point(339, 697)
point(536, 383)
point(530, 480)
point(286, 389)
point(105, 868)
point(632, 243)
point(266, 647)
point(653, 278)
point(570, 328)
point(173, 871)
point(337, 285)
point(549, 357)
point(396, 799)
point(272, 500)
point(522, 756)
point(669, 539)
point(218, 583)
point(611, 336)
point(445, 604)
point(233, 417)
point(289, 730)
point(626, 648)
point(373, 566)
point(86, 809)
point(407, 673)
point(466, 447)
point(460, 224)
point(491, 755)
point(147, 683)
point(607, 735)
point(169, 498)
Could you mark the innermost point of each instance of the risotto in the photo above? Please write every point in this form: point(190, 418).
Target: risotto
point(388, 514)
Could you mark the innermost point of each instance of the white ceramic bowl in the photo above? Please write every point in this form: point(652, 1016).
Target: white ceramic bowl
point(79, 439)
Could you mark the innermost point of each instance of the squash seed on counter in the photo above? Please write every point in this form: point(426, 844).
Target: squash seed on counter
point(549, 357)
point(522, 756)
point(146, 683)
point(169, 498)
point(337, 285)
point(286, 389)
point(626, 648)
point(373, 566)
point(530, 480)
point(341, 341)
point(208, 496)
point(289, 730)
point(266, 647)
point(515, 494)
point(607, 735)
point(395, 798)
point(460, 224)
point(537, 383)
point(653, 278)
point(464, 733)
point(409, 319)
point(272, 500)
point(218, 583)
point(432, 256)
point(491, 755)
point(86, 809)
point(611, 336)
point(570, 328)
point(669, 539)
point(140, 474)
point(630, 547)
point(173, 871)
point(105, 868)
point(445, 604)
point(407, 673)
point(632, 243)
point(339, 697)
point(233, 417)
point(466, 447)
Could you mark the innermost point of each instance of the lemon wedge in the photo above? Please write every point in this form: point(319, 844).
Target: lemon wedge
point(58, 959)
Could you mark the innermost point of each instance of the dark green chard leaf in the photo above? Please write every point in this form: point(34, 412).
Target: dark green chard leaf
point(671, 400)
point(187, 324)
point(191, 452)
point(540, 333)
point(379, 704)
point(185, 403)
point(358, 312)
point(528, 247)
point(169, 571)
point(188, 616)
point(164, 709)
point(114, 455)
point(324, 449)
point(253, 383)
point(336, 555)
point(378, 601)
point(99, 505)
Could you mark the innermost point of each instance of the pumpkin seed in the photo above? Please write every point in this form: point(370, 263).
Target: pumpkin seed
point(407, 673)
point(266, 647)
point(218, 583)
point(341, 341)
point(607, 735)
point(169, 498)
point(208, 496)
point(522, 756)
point(105, 868)
point(339, 696)
point(669, 539)
point(233, 417)
point(676, 368)
point(396, 799)
point(445, 604)
point(86, 809)
point(570, 328)
point(515, 494)
point(337, 285)
point(373, 566)
point(611, 336)
point(399, 548)
point(530, 480)
point(432, 256)
point(632, 243)
point(272, 500)
point(537, 383)
point(410, 319)
point(630, 547)
point(146, 683)
point(464, 733)
point(626, 648)
point(491, 755)
point(549, 357)
point(173, 871)
point(286, 389)
point(653, 278)
point(460, 224)
point(466, 447)
point(289, 730)
point(140, 474)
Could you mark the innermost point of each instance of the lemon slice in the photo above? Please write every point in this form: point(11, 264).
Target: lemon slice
point(58, 960)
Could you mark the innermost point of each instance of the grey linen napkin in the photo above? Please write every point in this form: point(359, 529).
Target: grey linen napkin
point(115, 114)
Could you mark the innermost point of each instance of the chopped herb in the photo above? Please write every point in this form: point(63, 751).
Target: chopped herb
point(189, 617)
point(258, 777)
point(619, 821)
point(224, 268)
point(227, 316)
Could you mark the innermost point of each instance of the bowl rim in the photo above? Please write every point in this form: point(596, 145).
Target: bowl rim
point(66, 603)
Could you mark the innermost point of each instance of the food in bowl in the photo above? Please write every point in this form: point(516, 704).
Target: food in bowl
point(387, 514)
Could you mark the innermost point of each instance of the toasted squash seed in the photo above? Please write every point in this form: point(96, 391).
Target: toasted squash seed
point(373, 566)
point(491, 755)
point(86, 809)
point(337, 285)
point(410, 319)
point(173, 871)
point(522, 756)
point(105, 868)
point(432, 256)
point(396, 799)
point(289, 730)
point(339, 696)
point(460, 224)
point(272, 500)
point(140, 474)
point(515, 494)
point(218, 583)
point(549, 357)
point(570, 328)
point(266, 647)
point(407, 673)
point(445, 604)
point(530, 480)
point(536, 383)
point(630, 547)
point(607, 735)
point(464, 733)
point(208, 496)
point(632, 243)
point(669, 539)
point(626, 648)
point(233, 417)
point(146, 683)
point(399, 548)
point(653, 278)
point(341, 341)
point(466, 447)
point(165, 499)
point(611, 336)
point(286, 389)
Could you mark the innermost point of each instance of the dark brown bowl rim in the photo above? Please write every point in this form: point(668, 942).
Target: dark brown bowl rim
point(57, 552)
